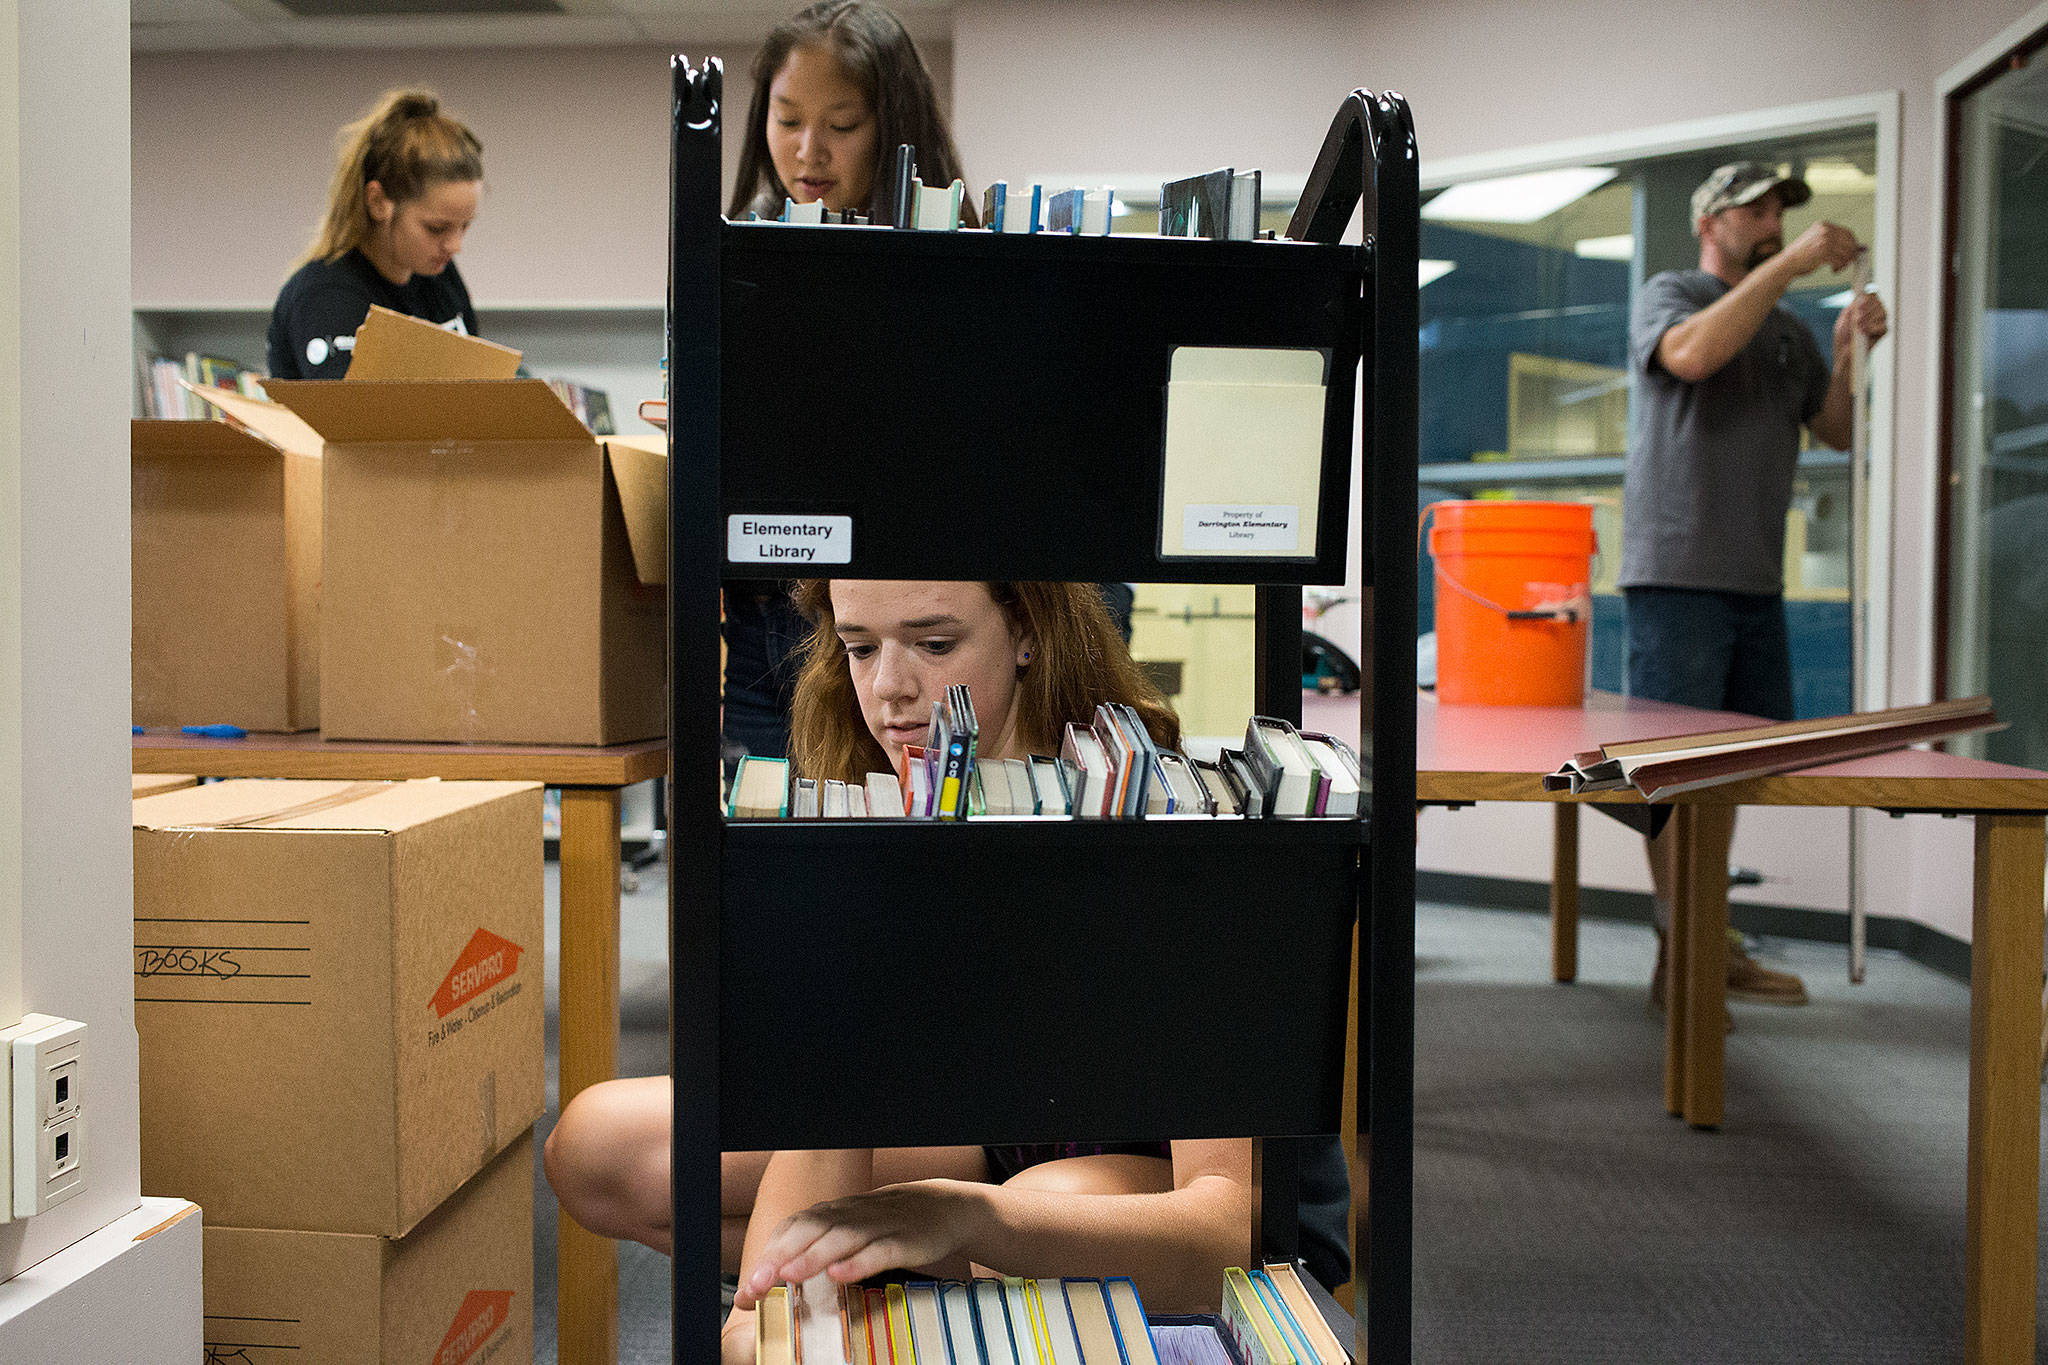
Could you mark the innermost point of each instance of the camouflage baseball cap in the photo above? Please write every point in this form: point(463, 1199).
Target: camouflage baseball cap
point(1742, 182)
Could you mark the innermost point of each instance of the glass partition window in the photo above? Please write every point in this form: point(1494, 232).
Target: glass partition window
point(1998, 512)
point(1527, 283)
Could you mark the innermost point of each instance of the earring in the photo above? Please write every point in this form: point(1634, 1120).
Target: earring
point(1027, 656)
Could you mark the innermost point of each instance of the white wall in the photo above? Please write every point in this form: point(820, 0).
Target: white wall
point(130, 1292)
point(69, 809)
point(10, 520)
point(232, 153)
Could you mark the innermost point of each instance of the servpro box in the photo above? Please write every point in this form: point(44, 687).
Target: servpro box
point(456, 1290)
point(226, 572)
point(480, 558)
point(337, 995)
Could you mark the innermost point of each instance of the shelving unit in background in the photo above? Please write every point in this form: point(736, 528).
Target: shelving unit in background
point(880, 983)
point(616, 347)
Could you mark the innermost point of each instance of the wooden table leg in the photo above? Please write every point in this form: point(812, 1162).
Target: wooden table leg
point(587, 1271)
point(2004, 1187)
point(1706, 963)
point(1676, 848)
point(1564, 892)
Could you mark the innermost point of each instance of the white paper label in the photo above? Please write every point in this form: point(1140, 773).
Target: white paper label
point(751, 538)
point(1234, 528)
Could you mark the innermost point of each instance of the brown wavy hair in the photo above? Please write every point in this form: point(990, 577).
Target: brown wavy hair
point(408, 146)
point(1078, 661)
point(880, 58)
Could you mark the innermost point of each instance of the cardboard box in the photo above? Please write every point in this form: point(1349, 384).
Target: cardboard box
point(480, 550)
point(456, 1290)
point(226, 573)
point(337, 995)
point(151, 784)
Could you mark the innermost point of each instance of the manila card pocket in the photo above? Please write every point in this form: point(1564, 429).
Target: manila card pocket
point(1244, 453)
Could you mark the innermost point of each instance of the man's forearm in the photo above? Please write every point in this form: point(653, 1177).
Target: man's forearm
point(1697, 348)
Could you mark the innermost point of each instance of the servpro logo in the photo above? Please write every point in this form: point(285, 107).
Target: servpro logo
point(484, 963)
point(483, 1312)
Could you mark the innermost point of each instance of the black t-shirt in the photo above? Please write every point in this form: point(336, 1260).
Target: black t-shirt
point(313, 324)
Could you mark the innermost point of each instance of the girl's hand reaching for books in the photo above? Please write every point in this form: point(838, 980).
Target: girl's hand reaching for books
point(896, 1227)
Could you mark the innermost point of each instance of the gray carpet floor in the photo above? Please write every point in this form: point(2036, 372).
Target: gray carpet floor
point(1561, 1215)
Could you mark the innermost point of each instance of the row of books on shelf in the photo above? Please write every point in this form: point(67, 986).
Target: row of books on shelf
point(1110, 769)
point(593, 407)
point(1219, 204)
point(1267, 1318)
point(164, 396)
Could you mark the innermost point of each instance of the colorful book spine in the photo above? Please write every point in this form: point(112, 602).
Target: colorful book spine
point(775, 1329)
point(992, 1323)
point(1283, 1318)
point(1249, 1325)
point(1127, 1312)
point(902, 1347)
point(956, 1313)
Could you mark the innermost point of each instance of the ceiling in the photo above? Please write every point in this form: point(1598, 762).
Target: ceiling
point(235, 25)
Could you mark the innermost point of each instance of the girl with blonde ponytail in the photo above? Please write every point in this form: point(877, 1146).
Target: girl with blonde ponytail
point(406, 187)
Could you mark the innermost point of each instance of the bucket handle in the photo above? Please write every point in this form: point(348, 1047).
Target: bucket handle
point(1568, 615)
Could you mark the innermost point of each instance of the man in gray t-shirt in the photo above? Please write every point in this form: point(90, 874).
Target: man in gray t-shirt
point(1725, 377)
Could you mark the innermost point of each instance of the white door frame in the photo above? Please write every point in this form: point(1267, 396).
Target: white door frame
point(1978, 63)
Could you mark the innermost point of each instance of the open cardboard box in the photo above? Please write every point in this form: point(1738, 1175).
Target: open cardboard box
point(493, 571)
point(337, 995)
point(226, 569)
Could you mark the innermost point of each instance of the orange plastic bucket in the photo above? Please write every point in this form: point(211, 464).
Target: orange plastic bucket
point(1513, 601)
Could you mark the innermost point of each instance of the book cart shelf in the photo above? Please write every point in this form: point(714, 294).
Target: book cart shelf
point(990, 406)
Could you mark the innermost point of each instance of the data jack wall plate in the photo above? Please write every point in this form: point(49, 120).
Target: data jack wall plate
point(46, 1058)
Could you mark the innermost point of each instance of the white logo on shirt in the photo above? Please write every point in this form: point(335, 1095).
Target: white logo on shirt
point(319, 348)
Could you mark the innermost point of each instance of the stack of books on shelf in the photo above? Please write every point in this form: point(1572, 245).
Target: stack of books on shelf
point(1110, 769)
point(1267, 1318)
point(1221, 204)
point(164, 396)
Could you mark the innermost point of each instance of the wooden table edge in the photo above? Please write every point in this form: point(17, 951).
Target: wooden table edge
point(618, 766)
point(1920, 792)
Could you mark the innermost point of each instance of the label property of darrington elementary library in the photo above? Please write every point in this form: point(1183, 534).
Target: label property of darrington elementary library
point(1235, 528)
point(751, 538)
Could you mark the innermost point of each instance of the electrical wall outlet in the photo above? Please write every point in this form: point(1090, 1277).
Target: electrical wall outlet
point(46, 1065)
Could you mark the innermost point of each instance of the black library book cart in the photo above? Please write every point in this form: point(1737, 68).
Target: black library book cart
point(976, 404)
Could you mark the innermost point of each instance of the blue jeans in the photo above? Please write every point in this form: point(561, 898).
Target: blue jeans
point(1719, 651)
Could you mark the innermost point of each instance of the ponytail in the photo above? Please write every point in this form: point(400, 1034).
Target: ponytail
point(405, 144)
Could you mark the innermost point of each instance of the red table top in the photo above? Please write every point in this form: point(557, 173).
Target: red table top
point(1533, 740)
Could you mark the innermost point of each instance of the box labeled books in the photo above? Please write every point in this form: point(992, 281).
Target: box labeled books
point(337, 995)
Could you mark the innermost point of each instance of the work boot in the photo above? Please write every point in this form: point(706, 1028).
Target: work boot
point(1750, 980)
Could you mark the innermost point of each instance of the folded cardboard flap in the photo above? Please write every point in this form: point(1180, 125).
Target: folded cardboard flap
point(391, 345)
point(354, 411)
point(640, 469)
point(176, 438)
point(153, 784)
point(363, 807)
point(274, 422)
